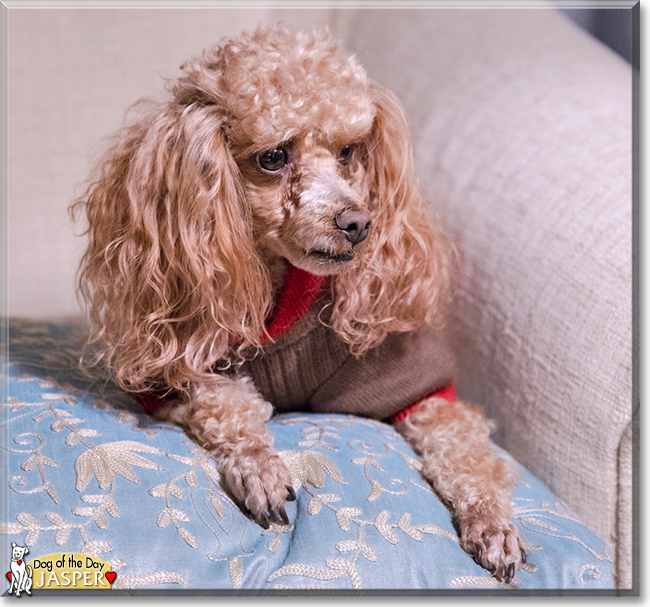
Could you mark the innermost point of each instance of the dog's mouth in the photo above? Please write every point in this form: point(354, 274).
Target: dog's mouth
point(331, 257)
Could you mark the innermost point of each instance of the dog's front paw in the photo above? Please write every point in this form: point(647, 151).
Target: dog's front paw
point(260, 483)
point(492, 541)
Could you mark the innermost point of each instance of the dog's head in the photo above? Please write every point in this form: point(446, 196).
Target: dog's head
point(18, 552)
point(275, 145)
point(297, 116)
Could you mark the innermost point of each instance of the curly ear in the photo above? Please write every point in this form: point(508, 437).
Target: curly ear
point(171, 273)
point(403, 276)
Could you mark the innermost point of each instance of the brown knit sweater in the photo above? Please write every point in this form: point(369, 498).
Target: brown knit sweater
point(310, 368)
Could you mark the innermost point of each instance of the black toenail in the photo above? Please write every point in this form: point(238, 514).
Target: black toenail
point(283, 515)
point(274, 517)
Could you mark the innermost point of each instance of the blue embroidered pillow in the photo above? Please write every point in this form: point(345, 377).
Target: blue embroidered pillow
point(89, 473)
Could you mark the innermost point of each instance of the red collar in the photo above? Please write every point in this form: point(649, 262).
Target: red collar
point(296, 295)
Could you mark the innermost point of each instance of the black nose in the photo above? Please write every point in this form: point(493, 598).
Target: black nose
point(354, 224)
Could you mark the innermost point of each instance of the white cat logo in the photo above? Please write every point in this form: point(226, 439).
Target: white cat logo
point(20, 575)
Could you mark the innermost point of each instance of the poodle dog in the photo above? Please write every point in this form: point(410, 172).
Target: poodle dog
point(258, 242)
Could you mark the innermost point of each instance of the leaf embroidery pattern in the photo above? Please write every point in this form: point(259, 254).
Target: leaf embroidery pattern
point(276, 530)
point(309, 467)
point(36, 461)
point(314, 435)
point(215, 502)
point(108, 459)
point(550, 521)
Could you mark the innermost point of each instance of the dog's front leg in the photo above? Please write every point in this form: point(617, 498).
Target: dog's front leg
point(226, 417)
point(22, 583)
point(457, 460)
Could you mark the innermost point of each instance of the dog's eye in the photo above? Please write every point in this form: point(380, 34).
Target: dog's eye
point(346, 154)
point(273, 160)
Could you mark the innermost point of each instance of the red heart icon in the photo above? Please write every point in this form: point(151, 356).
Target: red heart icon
point(9, 575)
point(19, 562)
point(110, 576)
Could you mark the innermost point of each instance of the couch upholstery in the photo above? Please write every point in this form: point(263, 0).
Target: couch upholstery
point(522, 133)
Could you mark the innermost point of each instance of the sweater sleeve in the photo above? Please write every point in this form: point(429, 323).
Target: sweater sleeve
point(404, 369)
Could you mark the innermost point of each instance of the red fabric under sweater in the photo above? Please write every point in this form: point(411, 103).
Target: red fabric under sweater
point(448, 393)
